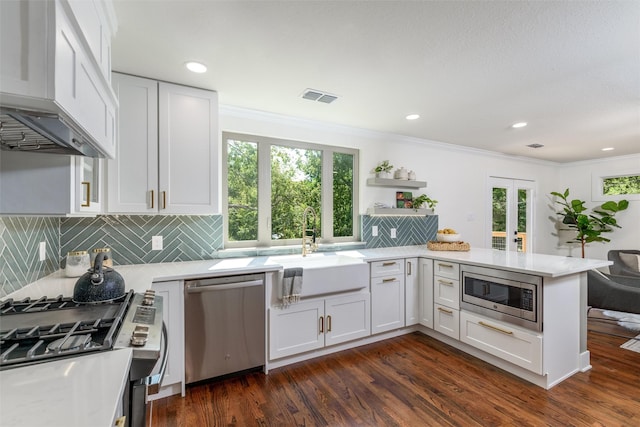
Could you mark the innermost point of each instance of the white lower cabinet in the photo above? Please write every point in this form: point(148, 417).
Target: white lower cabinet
point(412, 291)
point(518, 346)
point(317, 323)
point(173, 316)
point(426, 292)
point(446, 320)
point(387, 295)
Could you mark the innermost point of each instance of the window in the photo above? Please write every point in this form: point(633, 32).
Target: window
point(616, 186)
point(271, 181)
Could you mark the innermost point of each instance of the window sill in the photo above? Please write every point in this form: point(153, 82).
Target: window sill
point(286, 250)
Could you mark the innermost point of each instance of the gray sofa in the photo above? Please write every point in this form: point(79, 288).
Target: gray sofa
point(608, 292)
point(619, 268)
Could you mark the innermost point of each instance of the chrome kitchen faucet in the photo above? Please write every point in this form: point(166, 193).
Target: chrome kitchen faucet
point(309, 244)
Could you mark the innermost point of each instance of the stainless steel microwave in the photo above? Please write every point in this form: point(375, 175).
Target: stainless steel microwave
point(504, 295)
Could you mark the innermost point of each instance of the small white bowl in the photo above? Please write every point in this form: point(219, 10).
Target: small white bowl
point(441, 237)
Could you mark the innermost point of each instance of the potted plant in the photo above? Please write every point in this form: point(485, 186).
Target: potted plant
point(588, 227)
point(422, 199)
point(383, 169)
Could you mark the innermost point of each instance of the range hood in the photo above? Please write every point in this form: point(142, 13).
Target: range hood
point(22, 130)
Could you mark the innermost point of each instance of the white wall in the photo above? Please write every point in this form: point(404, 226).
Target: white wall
point(578, 178)
point(456, 176)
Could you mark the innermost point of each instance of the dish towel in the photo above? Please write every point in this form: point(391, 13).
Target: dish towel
point(291, 285)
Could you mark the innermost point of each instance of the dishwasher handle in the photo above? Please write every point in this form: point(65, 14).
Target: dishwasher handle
point(195, 287)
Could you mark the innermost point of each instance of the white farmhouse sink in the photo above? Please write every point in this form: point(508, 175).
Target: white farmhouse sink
point(325, 273)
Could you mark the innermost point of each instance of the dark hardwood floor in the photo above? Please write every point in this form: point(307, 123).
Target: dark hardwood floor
point(415, 380)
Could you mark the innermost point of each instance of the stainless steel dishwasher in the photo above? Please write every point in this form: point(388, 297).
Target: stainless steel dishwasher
point(224, 325)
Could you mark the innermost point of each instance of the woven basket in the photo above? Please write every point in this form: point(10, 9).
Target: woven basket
point(448, 246)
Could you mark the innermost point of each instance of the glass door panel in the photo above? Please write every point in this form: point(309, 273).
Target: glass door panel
point(511, 213)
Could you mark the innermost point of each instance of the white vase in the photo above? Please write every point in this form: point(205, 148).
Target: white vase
point(384, 175)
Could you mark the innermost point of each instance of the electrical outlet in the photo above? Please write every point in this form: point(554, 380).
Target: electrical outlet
point(374, 230)
point(156, 243)
point(42, 249)
point(393, 233)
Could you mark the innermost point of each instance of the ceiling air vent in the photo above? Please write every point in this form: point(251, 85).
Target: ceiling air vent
point(316, 95)
point(535, 145)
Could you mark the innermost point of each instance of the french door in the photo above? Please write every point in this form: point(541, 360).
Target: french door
point(511, 227)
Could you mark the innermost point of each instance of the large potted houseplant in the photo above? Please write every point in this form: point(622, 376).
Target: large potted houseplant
point(588, 227)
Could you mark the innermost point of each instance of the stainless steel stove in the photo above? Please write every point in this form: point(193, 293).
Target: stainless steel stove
point(45, 329)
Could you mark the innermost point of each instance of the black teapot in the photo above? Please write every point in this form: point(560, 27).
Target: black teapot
point(99, 284)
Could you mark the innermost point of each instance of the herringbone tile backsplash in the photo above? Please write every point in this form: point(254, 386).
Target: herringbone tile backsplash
point(410, 230)
point(20, 239)
point(185, 238)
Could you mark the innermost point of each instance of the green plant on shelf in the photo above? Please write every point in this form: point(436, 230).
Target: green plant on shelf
point(383, 166)
point(424, 199)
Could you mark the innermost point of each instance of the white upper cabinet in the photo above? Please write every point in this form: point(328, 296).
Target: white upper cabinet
point(55, 56)
point(49, 184)
point(166, 149)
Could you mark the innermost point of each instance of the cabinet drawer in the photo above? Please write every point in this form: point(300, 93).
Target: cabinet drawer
point(446, 269)
point(446, 291)
point(387, 268)
point(446, 321)
point(515, 345)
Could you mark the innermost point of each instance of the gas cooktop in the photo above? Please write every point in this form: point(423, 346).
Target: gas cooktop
point(35, 331)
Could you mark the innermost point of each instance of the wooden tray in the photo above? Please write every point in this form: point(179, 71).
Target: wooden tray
point(448, 246)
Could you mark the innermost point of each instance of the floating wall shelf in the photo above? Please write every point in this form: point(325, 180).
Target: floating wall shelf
point(398, 212)
point(397, 183)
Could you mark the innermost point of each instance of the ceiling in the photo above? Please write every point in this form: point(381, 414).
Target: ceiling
point(470, 69)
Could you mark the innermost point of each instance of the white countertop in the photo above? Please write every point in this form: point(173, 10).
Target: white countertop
point(139, 277)
point(81, 391)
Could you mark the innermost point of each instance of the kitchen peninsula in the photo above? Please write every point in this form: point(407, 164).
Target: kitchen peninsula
point(562, 342)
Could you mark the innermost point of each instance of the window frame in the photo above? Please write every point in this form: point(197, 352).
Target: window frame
point(597, 186)
point(264, 144)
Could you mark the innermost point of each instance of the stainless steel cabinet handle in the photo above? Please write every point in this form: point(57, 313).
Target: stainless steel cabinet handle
point(153, 197)
point(445, 282)
point(321, 321)
point(445, 265)
point(328, 323)
point(495, 328)
point(388, 280)
point(388, 264)
point(164, 200)
point(194, 288)
point(408, 268)
point(444, 310)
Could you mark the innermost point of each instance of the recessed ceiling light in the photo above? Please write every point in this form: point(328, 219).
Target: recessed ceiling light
point(519, 125)
point(413, 117)
point(608, 149)
point(196, 67)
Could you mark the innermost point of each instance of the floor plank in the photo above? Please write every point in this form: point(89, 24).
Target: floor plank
point(416, 380)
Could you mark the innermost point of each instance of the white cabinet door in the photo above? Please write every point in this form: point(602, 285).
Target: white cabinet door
point(188, 144)
point(387, 303)
point(296, 328)
point(446, 320)
point(412, 291)
point(518, 346)
point(347, 318)
point(173, 317)
point(133, 174)
point(88, 184)
point(426, 292)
